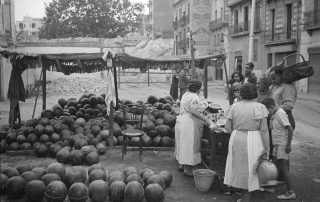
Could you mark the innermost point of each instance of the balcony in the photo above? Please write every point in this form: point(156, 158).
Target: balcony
point(244, 28)
point(218, 23)
point(279, 37)
point(232, 3)
point(312, 20)
point(175, 24)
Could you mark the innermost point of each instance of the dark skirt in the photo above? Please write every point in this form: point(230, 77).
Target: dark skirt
point(174, 88)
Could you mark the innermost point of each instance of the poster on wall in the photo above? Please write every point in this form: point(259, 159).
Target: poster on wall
point(200, 26)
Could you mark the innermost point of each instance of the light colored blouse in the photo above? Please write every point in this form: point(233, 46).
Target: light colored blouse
point(246, 115)
point(191, 102)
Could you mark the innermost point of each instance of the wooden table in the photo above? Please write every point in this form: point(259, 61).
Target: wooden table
point(218, 149)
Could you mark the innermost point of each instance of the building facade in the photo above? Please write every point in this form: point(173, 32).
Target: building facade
point(239, 28)
point(310, 45)
point(28, 29)
point(161, 12)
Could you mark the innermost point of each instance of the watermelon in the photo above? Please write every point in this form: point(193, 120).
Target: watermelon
point(156, 179)
point(39, 171)
point(152, 99)
point(146, 140)
point(167, 177)
point(76, 157)
point(11, 172)
point(95, 166)
point(164, 130)
point(25, 146)
point(135, 177)
point(35, 190)
point(156, 141)
point(130, 170)
point(56, 191)
point(15, 187)
point(3, 181)
point(48, 129)
point(101, 148)
point(44, 138)
point(159, 121)
point(21, 139)
point(75, 174)
point(92, 158)
point(11, 137)
point(23, 168)
point(98, 191)
point(117, 189)
point(166, 142)
point(32, 138)
point(97, 174)
point(57, 110)
point(41, 150)
point(14, 146)
point(57, 168)
point(147, 175)
point(78, 192)
point(62, 102)
point(29, 176)
point(63, 156)
point(154, 193)
point(50, 177)
point(134, 192)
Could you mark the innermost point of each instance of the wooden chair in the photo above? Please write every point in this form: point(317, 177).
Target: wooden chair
point(133, 114)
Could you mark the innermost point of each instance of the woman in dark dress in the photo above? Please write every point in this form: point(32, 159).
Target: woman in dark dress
point(174, 84)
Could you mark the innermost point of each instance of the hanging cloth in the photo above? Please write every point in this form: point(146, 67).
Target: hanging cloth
point(111, 93)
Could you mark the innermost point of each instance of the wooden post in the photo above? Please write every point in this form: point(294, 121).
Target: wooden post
point(119, 69)
point(111, 125)
point(205, 79)
point(226, 74)
point(148, 75)
point(115, 82)
point(44, 62)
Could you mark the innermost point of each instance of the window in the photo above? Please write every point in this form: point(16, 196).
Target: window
point(21, 25)
point(188, 9)
point(33, 25)
point(221, 12)
point(221, 38)
point(289, 20)
point(269, 60)
point(255, 50)
point(246, 18)
point(215, 14)
point(235, 21)
point(273, 18)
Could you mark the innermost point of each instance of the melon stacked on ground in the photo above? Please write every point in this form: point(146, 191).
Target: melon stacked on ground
point(56, 183)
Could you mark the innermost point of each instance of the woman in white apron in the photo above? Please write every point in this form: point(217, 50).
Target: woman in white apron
point(189, 128)
point(247, 120)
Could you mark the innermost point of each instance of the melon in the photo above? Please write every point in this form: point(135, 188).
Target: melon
point(153, 133)
point(15, 187)
point(63, 156)
point(98, 191)
point(25, 146)
point(120, 140)
point(3, 181)
point(92, 158)
point(57, 110)
point(93, 141)
point(78, 192)
point(57, 168)
point(41, 150)
point(117, 189)
point(152, 99)
point(62, 102)
point(14, 146)
point(130, 170)
point(156, 141)
point(29, 176)
point(97, 174)
point(101, 148)
point(11, 137)
point(11, 172)
point(104, 134)
point(79, 143)
point(154, 193)
point(54, 149)
point(135, 177)
point(142, 172)
point(133, 192)
point(74, 175)
point(45, 121)
point(147, 175)
point(156, 179)
point(44, 138)
point(166, 142)
point(54, 137)
point(76, 157)
point(48, 129)
point(56, 191)
point(21, 139)
point(23, 168)
point(95, 166)
point(35, 190)
point(39, 171)
point(167, 177)
point(146, 140)
point(164, 130)
point(50, 177)
point(159, 121)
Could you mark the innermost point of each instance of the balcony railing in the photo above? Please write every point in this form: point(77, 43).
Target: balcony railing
point(218, 23)
point(244, 27)
point(312, 19)
point(279, 35)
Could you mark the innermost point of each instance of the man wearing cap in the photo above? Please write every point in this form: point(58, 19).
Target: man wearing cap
point(189, 128)
point(183, 81)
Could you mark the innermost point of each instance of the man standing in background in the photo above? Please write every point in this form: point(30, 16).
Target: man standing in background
point(249, 76)
point(183, 81)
